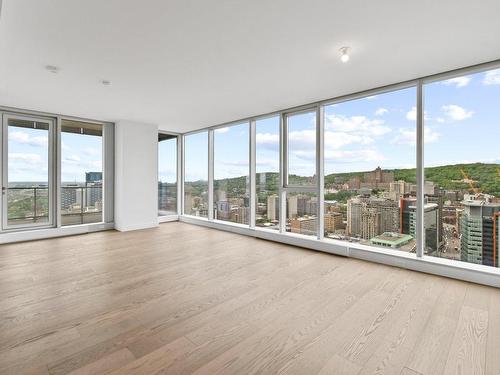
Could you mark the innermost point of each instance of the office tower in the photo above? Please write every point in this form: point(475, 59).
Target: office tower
point(273, 207)
point(291, 207)
point(431, 226)
point(480, 232)
point(333, 222)
point(370, 216)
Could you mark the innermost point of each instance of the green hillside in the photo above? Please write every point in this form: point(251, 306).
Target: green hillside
point(446, 177)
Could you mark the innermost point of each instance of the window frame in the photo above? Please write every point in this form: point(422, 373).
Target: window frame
point(178, 166)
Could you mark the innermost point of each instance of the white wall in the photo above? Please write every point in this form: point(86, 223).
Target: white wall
point(136, 175)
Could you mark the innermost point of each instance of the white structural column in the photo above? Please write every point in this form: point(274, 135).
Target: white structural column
point(180, 173)
point(211, 174)
point(320, 166)
point(136, 175)
point(420, 231)
point(283, 172)
point(252, 169)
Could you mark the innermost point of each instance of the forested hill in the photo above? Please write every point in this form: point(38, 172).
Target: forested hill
point(449, 177)
point(487, 176)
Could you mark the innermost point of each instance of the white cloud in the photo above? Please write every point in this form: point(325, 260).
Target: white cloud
point(303, 139)
point(25, 139)
point(24, 158)
point(492, 77)
point(90, 151)
point(71, 158)
point(357, 124)
point(455, 112)
point(353, 156)
point(222, 130)
point(458, 81)
point(267, 138)
point(371, 97)
point(381, 111)
point(336, 140)
point(412, 114)
point(409, 136)
point(440, 120)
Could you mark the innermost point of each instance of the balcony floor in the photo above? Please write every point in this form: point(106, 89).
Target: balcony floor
point(182, 299)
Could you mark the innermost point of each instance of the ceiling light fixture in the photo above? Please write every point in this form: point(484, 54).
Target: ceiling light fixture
point(344, 54)
point(52, 68)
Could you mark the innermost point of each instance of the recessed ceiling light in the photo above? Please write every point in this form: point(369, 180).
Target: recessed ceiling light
point(344, 54)
point(52, 68)
point(105, 82)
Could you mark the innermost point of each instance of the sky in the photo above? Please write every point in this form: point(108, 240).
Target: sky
point(167, 160)
point(28, 155)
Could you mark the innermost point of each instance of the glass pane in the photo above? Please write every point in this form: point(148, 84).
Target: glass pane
point(462, 168)
point(167, 175)
point(196, 174)
point(301, 213)
point(231, 189)
point(267, 155)
point(370, 175)
point(27, 172)
point(81, 173)
point(302, 149)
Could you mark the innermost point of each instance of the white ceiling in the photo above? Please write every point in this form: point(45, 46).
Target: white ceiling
point(186, 64)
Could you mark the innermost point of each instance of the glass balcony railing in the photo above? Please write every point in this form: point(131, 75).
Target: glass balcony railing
point(81, 205)
point(30, 205)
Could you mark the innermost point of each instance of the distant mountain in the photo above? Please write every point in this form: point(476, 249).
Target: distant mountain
point(486, 178)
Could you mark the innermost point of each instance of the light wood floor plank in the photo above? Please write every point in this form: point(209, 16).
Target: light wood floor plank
point(182, 299)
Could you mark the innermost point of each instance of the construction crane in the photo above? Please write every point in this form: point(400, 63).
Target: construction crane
point(470, 182)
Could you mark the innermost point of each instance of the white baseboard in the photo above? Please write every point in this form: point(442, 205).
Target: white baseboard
point(137, 226)
point(39, 234)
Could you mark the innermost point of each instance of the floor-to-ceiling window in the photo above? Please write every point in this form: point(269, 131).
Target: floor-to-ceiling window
point(370, 176)
point(27, 172)
point(196, 174)
point(267, 168)
point(231, 174)
point(462, 168)
point(54, 171)
point(300, 182)
point(81, 172)
point(167, 174)
point(412, 168)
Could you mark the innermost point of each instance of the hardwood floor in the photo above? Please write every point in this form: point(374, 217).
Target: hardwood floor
point(182, 299)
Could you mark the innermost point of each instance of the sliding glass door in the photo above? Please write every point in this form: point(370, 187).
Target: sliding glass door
point(27, 177)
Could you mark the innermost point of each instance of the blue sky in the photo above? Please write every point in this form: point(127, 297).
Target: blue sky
point(167, 160)
point(28, 155)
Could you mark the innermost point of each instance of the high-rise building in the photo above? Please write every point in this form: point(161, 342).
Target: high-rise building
point(378, 179)
point(368, 217)
point(273, 207)
point(291, 206)
point(431, 226)
point(333, 221)
point(480, 224)
point(93, 177)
